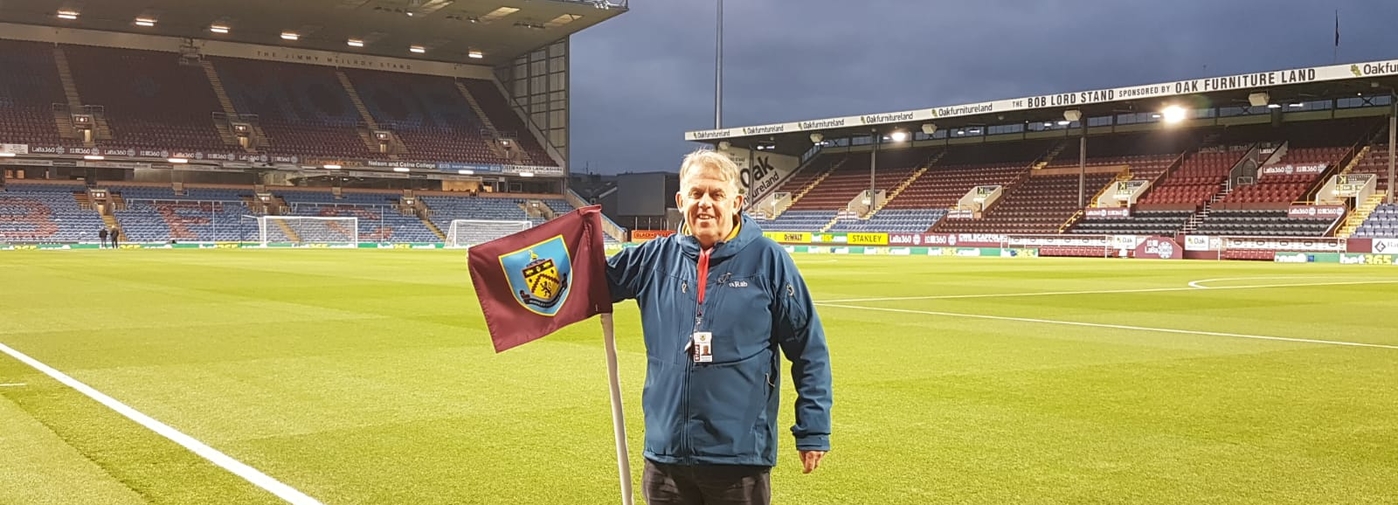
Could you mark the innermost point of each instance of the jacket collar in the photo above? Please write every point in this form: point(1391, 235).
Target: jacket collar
point(745, 231)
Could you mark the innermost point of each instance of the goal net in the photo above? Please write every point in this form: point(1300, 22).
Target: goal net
point(306, 230)
point(469, 232)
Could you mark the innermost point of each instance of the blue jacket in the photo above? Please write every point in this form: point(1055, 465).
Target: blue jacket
point(725, 412)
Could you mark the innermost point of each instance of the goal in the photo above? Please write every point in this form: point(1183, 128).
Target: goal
point(307, 230)
point(469, 232)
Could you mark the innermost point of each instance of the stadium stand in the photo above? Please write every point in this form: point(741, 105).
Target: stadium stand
point(447, 208)
point(428, 113)
point(1158, 222)
point(1145, 155)
point(150, 100)
point(303, 108)
point(29, 87)
point(1202, 175)
point(157, 214)
point(799, 220)
point(851, 178)
point(1038, 204)
point(505, 120)
point(1308, 145)
point(45, 213)
point(378, 216)
point(1261, 222)
point(1375, 162)
point(1382, 223)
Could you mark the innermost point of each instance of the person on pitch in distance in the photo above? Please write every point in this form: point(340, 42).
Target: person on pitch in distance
point(720, 304)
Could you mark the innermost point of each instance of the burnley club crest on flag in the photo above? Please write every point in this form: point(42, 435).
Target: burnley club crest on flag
point(539, 275)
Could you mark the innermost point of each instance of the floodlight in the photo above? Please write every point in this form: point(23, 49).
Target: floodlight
point(1173, 114)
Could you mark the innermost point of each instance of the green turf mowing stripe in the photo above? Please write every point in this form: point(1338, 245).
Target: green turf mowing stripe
point(154, 467)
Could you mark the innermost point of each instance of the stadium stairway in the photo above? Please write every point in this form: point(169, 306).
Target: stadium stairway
point(888, 197)
point(431, 226)
point(366, 135)
point(217, 84)
point(1203, 213)
point(817, 180)
point(65, 75)
point(358, 103)
point(1360, 214)
point(917, 174)
point(100, 130)
point(476, 107)
point(286, 228)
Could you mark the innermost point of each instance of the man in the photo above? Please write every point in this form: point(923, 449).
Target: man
point(102, 234)
point(116, 234)
point(719, 305)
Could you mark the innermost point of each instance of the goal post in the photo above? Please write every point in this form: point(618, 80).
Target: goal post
point(307, 230)
point(469, 232)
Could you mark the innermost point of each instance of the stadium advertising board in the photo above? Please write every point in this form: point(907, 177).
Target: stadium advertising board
point(1107, 212)
point(1200, 243)
point(161, 154)
point(763, 172)
point(867, 238)
point(648, 235)
point(14, 148)
point(1384, 246)
point(964, 239)
point(1285, 244)
point(1064, 241)
point(1293, 258)
point(1315, 211)
point(1289, 169)
point(1367, 259)
point(1259, 80)
point(904, 239)
point(1160, 248)
point(789, 237)
point(961, 214)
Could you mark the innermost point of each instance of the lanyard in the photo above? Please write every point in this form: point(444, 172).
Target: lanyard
point(703, 275)
point(703, 282)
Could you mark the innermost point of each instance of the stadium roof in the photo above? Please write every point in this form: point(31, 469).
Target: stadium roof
point(1281, 86)
point(446, 30)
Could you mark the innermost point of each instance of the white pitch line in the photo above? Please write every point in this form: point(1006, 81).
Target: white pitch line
point(1112, 326)
point(1200, 283)
point(238, 468)
point(13, 385)
point(1192, 287)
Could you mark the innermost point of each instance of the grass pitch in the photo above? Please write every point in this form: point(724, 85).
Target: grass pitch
point(366, 377)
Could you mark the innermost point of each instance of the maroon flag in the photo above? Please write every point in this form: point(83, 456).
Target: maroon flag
point(536, 281)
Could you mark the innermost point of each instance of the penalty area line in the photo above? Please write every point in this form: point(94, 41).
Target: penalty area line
point(1112, 326)
point(248, 473)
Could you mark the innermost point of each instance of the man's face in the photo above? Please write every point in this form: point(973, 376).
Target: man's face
point(709, 204)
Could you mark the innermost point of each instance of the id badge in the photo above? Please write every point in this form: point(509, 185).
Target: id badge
point(702, 343)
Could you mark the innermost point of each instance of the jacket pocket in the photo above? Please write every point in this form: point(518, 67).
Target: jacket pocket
point(740, 319)
point(661, 402)
point(729, 404)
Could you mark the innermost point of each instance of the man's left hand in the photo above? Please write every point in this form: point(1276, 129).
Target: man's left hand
point(810, 460)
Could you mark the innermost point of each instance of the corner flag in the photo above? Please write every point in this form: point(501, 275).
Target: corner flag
point(534, 282)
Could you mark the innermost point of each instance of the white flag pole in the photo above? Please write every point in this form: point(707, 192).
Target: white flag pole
point(618, 420)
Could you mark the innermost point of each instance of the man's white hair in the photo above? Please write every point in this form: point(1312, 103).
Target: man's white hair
point(704, 159)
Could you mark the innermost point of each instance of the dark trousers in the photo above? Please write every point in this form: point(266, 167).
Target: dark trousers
point(706, 484)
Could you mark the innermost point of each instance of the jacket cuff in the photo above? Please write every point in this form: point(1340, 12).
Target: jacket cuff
point(813, 443)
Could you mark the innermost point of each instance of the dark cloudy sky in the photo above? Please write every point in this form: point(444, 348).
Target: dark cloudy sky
point(644, 78)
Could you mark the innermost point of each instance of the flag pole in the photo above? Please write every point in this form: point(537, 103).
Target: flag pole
point(623, 464)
